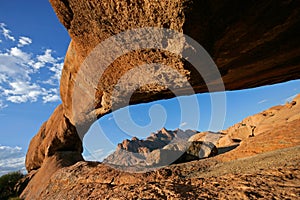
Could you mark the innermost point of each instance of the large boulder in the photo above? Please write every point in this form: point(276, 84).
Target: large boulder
point(249, 41)
point(56, 135)
point(181, 152)
point(197, 150)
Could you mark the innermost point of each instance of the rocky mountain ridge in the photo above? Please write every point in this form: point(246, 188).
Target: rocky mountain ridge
point(159, 149)
point(155, 141)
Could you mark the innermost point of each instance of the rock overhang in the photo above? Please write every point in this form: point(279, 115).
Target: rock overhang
point(252, 44)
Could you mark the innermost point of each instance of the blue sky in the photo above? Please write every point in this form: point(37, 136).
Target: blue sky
point(32, 47)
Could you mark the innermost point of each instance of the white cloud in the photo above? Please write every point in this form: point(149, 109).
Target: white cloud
point(51, 98)
point(22, 92)
point(47, 57)
point(14, 67)
point(3, 78)
point(55, 78)
point(17, 99)
point(23, 41)
point(20, 88)
point(18, 53)
point(51, 95)
point(2, 105)
point(21, 78)
point(262, 101)
point(11, 159)
point(183, 124)
point(37, 65)
point(6, 32)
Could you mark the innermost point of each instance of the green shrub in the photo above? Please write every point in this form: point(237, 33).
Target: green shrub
point(7, 185)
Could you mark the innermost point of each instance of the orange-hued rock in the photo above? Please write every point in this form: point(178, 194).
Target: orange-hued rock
point(253, 43)
point(242, 38)
point(40, 180)
point(56, 135)
point(274, 175)
point(275, 128)
point(265, 121)
point(279, 169)
point(277, 137)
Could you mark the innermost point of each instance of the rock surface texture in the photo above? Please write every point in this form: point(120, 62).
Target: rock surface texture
point(274, 175)
point(253, 43)
point(280, 125)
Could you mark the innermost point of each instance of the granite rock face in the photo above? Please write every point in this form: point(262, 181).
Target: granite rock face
point(278, 124)
point(56, 135)
point(155, 141)
point(250, 43)
point(161, 148)
point(182, 152)
point(253, 43)
point(259, 123)
point(151, 151)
